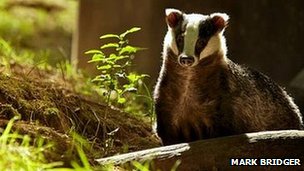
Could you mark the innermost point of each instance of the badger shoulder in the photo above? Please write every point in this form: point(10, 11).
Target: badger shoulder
point(246, 77)
point(261, 94)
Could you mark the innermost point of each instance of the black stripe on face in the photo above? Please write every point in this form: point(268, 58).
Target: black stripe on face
point(179, 31)
point(206, 31)
point(179, 39)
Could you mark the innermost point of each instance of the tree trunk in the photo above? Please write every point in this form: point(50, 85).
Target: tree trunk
point(215, 154)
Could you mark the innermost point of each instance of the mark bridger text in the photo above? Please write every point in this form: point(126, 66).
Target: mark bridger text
point(264, 162)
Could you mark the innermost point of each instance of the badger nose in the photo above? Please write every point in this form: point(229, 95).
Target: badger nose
point(186, 60)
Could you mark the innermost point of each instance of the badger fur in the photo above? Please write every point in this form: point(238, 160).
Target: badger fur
point(200, 93)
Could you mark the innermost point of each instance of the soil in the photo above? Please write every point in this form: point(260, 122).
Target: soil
point(49, 108)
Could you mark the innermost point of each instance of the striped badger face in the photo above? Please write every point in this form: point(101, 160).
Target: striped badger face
point(193, 37)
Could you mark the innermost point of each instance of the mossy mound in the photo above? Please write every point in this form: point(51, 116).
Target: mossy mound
point(53, 111)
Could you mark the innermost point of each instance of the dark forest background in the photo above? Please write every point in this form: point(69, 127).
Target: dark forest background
point(264, 34)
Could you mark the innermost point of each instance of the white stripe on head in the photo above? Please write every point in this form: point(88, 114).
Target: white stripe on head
point(217, 43)
point(191, 23)
point(191, 32)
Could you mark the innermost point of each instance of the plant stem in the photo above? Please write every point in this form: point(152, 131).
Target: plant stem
point(105, 116)
point(152, 113)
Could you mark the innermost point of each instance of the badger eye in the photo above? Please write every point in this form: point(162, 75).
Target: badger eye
point(200, 44)
point(179, 38)
point(180, 42)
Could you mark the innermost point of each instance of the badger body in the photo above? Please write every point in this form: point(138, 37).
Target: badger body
point(200, 93)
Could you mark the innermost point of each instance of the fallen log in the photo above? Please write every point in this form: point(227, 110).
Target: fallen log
point(219, 153)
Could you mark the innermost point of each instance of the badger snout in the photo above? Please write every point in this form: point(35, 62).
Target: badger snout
point(186, 61)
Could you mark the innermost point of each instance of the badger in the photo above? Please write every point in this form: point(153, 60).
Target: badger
point(202, 94)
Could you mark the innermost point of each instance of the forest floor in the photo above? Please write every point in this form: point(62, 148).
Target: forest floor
point(51, 109)
point(54, 103)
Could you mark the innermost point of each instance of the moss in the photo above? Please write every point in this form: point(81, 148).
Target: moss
point(9, 111)
point(49, 110)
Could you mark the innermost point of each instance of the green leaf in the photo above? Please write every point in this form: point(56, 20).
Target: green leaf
point(109, 36)
point(98, 79)
point(134, 29)
point(122, 42)
point(109, 45)
point(109, 61)
point(112, 56)
point(117, 66)
point(119, 91)
point(133, 78)
point(140, 166)
point(120, 58)
point(121, 100)
point(97, 58)
point(104, 67)
point(93, 51)
point(129, 49)
point(83, 158)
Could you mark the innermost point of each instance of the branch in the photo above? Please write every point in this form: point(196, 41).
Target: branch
point(215, 154)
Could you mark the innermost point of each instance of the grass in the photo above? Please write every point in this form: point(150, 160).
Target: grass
point(17, 152)
point(20, 28)
point(23, 153)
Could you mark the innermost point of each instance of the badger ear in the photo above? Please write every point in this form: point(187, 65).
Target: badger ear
point(219, 20)
point(173, 17)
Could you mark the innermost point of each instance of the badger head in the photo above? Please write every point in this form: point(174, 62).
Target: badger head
point(193, 37)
